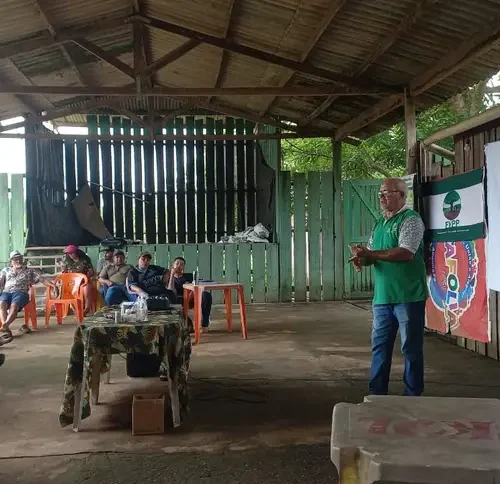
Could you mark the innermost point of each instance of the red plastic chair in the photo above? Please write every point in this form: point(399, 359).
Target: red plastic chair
point(30, 310)
point(71, 295)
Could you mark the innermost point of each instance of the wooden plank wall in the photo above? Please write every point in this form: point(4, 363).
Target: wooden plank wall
point(12, 215)
point(359, 220)
point(254, 265)
point(306, 256)
point(469, 155)
point(175, 191)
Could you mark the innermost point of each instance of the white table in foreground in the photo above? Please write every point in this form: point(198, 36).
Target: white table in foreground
point(419, 440)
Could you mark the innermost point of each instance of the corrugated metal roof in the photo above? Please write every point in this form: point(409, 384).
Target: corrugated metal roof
point(283, 27)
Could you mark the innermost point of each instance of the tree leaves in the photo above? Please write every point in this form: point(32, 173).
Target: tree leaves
point(382, 155)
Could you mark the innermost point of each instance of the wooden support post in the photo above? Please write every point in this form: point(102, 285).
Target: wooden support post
point(410, 135)
point(284, 232)
point(338, 220)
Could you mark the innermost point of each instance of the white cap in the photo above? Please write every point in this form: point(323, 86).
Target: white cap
point(15, 254)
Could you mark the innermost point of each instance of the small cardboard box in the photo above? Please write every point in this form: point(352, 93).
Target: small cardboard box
point(148, 414)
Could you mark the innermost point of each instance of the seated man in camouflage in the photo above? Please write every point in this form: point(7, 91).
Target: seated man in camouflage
point(15, 283)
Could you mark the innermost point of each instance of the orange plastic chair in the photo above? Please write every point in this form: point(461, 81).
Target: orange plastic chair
point(30, 310)
point(71, 295)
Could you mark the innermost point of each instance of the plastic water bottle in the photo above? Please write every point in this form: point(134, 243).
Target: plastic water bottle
point(143, 308)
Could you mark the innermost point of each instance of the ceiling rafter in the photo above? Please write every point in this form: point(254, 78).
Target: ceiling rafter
point(264, 56)
point(223, 61)
point(326, 21)
point(170, 57)
point(468, 50)
point(105, 56)
point(63, 35)
point(52, 31)
point(28, 104)
point(184, 109)
point(166, 91)
point(62, 112)
point(408, 22)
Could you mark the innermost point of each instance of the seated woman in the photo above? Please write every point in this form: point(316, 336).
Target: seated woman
point(178, 279)
point(78, 262)
point(15, 283)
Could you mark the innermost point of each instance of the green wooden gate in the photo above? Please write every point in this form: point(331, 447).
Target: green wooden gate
point(361, 209)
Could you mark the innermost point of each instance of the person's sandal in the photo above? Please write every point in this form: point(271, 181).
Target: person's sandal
point(6, 338)
point(24, 329)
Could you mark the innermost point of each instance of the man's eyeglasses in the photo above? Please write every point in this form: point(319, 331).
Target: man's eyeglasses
point(384, 193)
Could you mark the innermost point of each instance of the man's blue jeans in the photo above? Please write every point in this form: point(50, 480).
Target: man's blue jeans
point(409, 318)
point(117, 294)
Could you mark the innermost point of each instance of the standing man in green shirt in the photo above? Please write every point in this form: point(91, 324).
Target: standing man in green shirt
point(395, 250)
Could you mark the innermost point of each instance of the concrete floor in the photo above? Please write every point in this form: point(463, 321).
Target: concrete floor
point(260, 409)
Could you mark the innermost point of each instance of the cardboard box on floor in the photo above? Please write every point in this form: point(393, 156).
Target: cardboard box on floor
point(148, 414)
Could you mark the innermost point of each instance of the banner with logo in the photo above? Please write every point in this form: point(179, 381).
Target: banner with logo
point(458, 298)
point(454, 207)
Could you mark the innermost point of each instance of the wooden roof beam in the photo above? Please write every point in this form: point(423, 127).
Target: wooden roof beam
point(63, 35)
point(420, 7)
point(172, 56)
point(166, 91)
point(162, 137)
point(62, 48)
point(222, 69)
point(186, 108)
point(326, 21)
point(264, 56)
point(25, 103)
point(134, 117)
point(105, 56)
point(64, 111)
point(468, 50)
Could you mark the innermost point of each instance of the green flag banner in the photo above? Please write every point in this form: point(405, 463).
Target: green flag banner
point(454, 207)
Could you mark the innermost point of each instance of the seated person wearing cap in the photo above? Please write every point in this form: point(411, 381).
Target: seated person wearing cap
point(78, 262)
point(15, 283)
point(113, 278)
point(104, 261)
point(179, 279)
point(148, 279)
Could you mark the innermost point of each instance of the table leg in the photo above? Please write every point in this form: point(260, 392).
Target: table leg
point(243, 312)
point(229, 313)
point(95, 378)
point(197, 314)
point(77, 407)
point(174, 400)
point(108, 376)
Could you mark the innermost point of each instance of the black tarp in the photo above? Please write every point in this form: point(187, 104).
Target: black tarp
point(50, 218)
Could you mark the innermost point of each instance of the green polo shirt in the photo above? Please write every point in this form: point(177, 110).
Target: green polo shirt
point(397, 282)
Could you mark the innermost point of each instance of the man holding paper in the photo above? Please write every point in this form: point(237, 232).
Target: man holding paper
point(395, 250)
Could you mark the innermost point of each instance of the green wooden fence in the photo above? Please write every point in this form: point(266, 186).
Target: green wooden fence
point(12, 214)
point(300, 267)
point(254, 265)
point(307, 243)
point(361, 209)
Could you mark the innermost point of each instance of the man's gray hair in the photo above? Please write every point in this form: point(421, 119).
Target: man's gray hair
point(399, 184)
